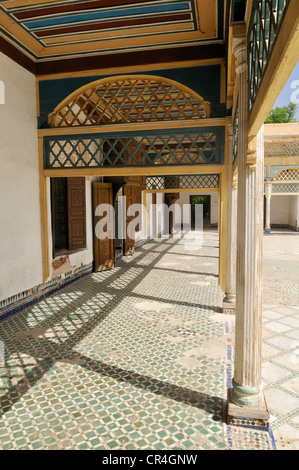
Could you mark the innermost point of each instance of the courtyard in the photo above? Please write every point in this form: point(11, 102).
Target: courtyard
point(140, 357)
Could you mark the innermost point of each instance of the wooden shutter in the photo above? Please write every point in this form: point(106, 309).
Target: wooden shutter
point(59, 215)
point(76, 213)
point(104, 252)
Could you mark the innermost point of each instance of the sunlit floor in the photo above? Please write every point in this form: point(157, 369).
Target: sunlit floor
point(139, 357)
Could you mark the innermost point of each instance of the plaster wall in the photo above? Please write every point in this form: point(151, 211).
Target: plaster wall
point(148, 214)
point(284, 210)
point(20, 231)
point(294, 212)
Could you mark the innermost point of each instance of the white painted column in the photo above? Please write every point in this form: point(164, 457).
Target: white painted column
point(230, 294)
point(268, 207)
point(245, 392)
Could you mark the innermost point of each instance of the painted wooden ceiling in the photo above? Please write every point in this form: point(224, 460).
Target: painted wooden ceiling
point(47, 29)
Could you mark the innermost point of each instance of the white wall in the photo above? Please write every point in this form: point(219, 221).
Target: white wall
point(147, 215)
point(20, 232)
point(285, 211)
point(294, 212)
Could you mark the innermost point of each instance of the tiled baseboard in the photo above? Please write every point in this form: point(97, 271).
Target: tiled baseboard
point(31, 296)
point(24, 299)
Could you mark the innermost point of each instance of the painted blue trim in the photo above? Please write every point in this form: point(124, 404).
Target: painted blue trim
point(109, 14)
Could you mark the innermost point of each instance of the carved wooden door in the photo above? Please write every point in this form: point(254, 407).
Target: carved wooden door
point(104, 252)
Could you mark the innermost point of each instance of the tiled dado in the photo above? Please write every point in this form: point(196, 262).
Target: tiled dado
point(29, 297)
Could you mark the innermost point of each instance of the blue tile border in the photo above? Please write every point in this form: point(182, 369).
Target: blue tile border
point(38, 293)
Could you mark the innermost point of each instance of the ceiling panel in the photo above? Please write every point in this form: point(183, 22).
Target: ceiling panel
point(50, 29)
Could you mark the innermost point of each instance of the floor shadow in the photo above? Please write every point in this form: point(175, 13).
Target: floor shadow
point(71, 316)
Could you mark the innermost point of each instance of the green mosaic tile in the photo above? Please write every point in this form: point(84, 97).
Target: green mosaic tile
point(97, 365)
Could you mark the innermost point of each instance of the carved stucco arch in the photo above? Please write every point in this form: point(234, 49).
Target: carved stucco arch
point(129, 99)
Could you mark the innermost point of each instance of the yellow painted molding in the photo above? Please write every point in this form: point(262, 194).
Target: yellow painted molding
point(182, 190)
point(43, 213)
point(105, 46)
point(239, 30)
point(20, 34)
point(61, 131)
point(136, 171)
point(222, 226)
point(223, 84)
point(122, 34)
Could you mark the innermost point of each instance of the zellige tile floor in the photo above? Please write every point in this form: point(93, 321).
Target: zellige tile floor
point(138, 357)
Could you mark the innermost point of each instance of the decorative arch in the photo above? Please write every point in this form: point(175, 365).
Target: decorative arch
point(129, 99)
point(289, 175)
point(286, 181)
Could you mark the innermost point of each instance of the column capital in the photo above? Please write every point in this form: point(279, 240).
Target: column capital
point(239, 51)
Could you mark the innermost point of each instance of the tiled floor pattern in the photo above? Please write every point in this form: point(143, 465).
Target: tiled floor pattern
point(133, 358)
point(281, 338)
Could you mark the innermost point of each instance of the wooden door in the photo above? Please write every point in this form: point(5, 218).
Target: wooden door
point(104, 252)
point(132, 192)
point(76, 213)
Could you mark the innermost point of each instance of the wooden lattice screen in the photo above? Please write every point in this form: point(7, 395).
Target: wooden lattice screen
point(286, 182)
point(266, 20)
point(129, 99)
point(204, 146)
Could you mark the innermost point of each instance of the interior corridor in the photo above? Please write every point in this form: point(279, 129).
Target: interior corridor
point(138, 357)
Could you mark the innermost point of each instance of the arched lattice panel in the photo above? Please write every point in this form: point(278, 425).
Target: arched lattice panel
point(286, 182)
point(289, 175)
point(129, 99)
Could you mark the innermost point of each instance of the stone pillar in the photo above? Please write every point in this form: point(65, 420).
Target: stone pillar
point(245, 397)
point(230, 294)
point(268, 207)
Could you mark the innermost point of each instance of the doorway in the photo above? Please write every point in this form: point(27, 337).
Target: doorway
point(206, 202)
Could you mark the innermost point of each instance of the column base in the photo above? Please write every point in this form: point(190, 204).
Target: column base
point(255, 415)
point(267, 231)
point(229, 303)
point(229, 298)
